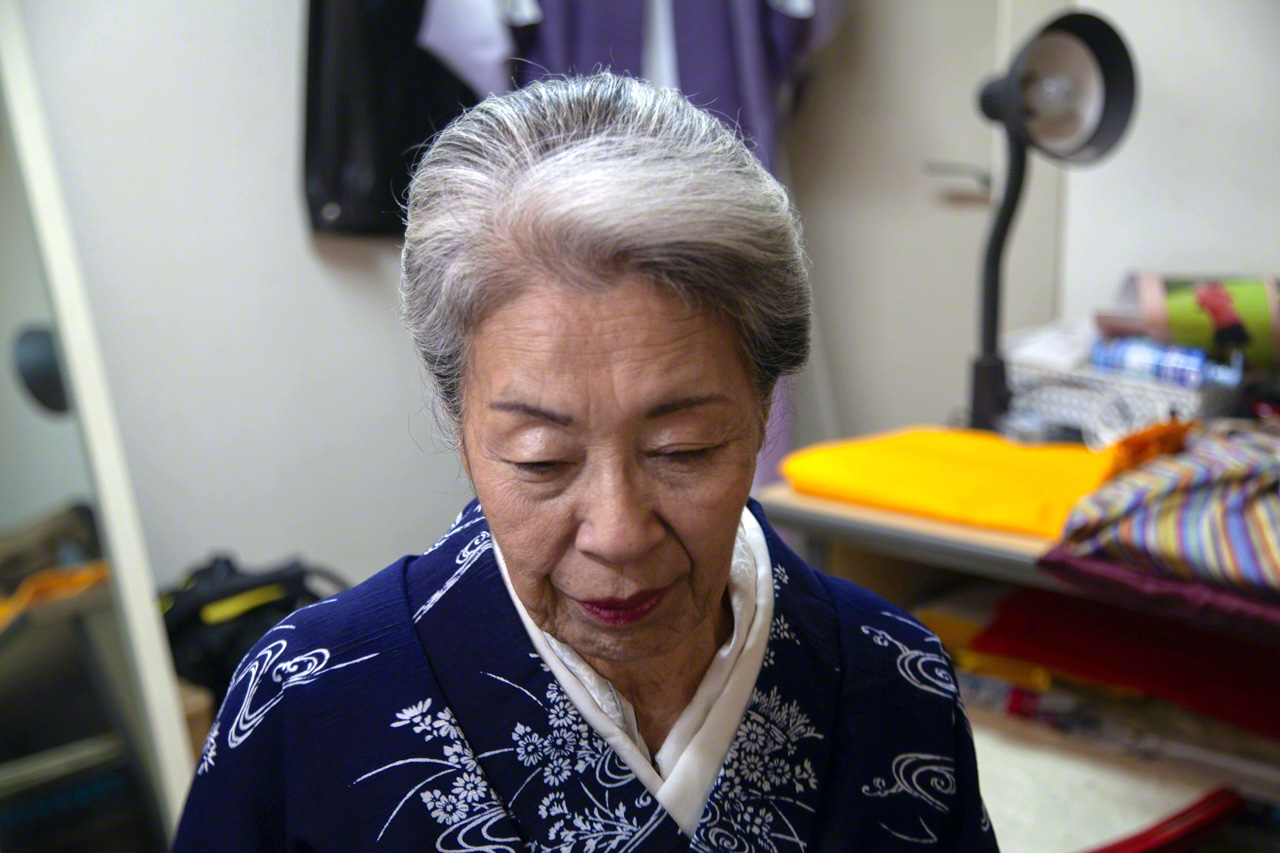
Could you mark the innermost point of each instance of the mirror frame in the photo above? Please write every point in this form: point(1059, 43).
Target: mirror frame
point(164, 741)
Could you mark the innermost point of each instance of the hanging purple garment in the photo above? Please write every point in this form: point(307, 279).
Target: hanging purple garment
point(579, 37)
point(735, 57)
point(764, 47)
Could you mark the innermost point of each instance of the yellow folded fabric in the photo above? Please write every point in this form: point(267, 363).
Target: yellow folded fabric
point(968, 476)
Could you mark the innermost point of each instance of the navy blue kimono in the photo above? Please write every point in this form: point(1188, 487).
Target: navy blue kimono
point(412, 713)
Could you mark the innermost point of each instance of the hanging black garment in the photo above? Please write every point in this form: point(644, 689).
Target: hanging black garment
point(373, 98)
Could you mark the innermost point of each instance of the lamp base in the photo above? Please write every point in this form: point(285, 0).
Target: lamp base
point(990, 392)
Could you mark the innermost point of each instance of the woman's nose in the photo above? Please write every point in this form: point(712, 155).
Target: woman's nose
point(619, 524)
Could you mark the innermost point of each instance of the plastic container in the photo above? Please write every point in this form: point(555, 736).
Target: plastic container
point(1185, 366)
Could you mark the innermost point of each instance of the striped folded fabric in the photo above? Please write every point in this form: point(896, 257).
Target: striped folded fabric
point(1210, 513)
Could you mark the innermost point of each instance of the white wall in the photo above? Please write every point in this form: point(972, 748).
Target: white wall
point(895, 265)
point(1195, 188)
point(269, 402)
point(42, 462)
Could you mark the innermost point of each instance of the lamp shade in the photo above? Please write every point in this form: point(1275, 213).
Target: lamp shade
point(1070, 91)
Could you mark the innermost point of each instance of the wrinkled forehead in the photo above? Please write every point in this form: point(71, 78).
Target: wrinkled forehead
point(625, 349)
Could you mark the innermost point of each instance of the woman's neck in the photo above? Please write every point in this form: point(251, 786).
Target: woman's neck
point(659, 689)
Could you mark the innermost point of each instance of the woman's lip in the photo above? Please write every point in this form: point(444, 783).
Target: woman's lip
point(623, 611)
point(628, 603)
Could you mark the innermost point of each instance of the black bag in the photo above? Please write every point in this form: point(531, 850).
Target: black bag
point(219, 612)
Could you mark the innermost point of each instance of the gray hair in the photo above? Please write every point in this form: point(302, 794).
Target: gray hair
point(581, 182)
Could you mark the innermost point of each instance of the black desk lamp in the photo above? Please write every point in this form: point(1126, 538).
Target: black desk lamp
point(1069, 93)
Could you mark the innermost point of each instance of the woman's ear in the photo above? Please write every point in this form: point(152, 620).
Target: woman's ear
point(766, 409)
point(460, 439)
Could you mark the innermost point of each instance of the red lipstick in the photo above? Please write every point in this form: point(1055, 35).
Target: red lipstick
point(621, 612)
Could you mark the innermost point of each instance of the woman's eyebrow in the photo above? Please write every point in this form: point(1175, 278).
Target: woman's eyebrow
point(532, 411)
point(681, 403)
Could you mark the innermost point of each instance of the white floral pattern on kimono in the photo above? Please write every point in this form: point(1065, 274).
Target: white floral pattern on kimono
point(555, 748)
point(761, 779)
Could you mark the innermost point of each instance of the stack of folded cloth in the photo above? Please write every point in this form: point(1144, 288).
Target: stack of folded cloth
point(1184, 517)
point(1197, 532)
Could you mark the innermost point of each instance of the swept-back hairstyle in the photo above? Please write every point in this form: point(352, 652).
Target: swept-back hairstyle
point(583, 181)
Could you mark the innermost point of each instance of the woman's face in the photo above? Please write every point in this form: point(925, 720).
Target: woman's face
point(611, 439)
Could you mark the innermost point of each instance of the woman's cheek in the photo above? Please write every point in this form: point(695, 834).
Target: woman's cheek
point(726, 482)
point(533, 587)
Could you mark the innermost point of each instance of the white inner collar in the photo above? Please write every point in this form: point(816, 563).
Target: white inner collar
point(685, 768)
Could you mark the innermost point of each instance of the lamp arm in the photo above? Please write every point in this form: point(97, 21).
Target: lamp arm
point(990, 390)
point(1015, 176)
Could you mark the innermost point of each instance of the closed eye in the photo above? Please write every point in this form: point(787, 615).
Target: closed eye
point(539, 468)
point(688, 455)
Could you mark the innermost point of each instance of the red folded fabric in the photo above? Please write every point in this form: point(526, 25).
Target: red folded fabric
point(1223, 676)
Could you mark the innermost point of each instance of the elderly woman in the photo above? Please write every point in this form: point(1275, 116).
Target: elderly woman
point(610, 649)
